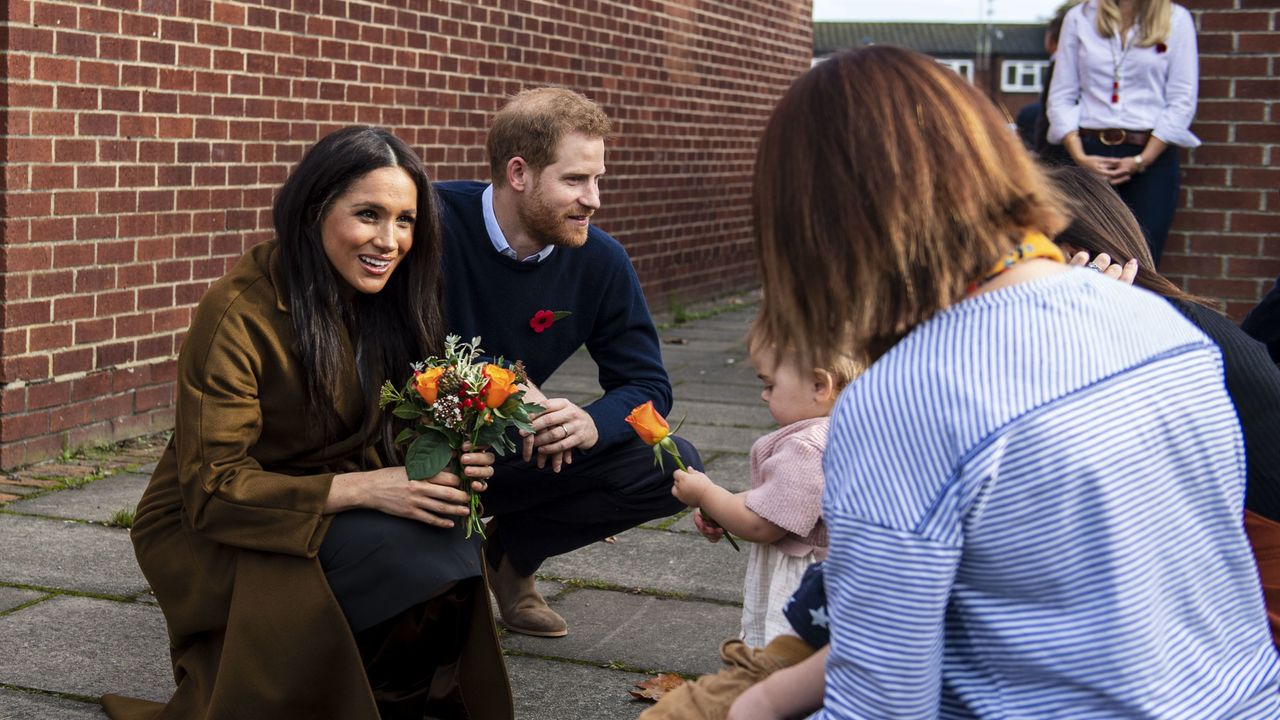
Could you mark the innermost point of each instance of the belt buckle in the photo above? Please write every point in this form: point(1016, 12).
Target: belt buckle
point(1105, 136)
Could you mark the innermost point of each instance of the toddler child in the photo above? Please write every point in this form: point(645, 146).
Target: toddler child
point(782, 512)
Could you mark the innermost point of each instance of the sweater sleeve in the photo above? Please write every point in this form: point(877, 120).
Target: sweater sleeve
point(624, 345)
point(227, 496)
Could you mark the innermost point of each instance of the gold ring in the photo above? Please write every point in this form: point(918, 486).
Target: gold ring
point(563, 430)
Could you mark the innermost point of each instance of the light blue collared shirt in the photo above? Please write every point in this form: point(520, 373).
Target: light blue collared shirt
point(496, 236)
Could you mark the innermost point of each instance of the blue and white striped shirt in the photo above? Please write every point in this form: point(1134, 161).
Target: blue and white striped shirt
point(1035, 505)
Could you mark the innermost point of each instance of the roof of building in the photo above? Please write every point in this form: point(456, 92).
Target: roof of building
point(933, 38)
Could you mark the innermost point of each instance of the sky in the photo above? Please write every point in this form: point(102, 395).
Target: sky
point(926, 10)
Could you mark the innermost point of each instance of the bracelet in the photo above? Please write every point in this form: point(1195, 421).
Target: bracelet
point(1138, 163)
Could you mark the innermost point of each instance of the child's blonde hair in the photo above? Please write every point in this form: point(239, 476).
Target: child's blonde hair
point(844, 368)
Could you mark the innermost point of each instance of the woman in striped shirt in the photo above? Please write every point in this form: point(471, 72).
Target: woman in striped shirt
point(1034, 492)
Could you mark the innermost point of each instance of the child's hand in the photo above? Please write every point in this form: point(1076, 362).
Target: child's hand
point(708, 527)
point(689, 486)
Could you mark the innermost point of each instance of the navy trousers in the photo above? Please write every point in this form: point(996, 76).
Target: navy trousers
point(605, 491)
point(1151, 195)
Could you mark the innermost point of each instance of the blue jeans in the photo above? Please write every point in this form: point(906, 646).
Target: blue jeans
point(1151, 195)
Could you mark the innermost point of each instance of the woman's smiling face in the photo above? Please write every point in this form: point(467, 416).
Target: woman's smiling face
point(368, 229)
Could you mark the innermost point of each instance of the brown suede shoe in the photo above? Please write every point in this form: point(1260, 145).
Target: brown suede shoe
point(522, 609)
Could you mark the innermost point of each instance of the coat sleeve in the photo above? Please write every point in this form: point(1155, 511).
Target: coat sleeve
point(227, 496)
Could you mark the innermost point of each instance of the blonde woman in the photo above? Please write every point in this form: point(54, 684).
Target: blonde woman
point(1124, 90)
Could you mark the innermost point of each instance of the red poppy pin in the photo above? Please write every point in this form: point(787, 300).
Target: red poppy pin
point(544, 319)
point(1161, 47)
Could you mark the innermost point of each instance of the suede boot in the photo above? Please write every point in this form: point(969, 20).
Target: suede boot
point(522, 608)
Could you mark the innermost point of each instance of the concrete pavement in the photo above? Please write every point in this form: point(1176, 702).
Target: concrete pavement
point(77, 618)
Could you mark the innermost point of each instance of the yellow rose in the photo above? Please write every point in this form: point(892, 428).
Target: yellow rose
point(648, 424)
point(501, 385)
point(428, 383)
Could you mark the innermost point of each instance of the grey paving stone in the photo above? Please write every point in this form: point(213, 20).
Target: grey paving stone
point(731, 471)
point(13, 489)
point(97, 501)
point(16, 705)
point(86, 646)
point(555, 690)
point(68, 555)
point(657, 560)
point(709, 412)
point(692, 391)
point(13, 597)
point(639, 631)
point(148, 468)
point(713, 438)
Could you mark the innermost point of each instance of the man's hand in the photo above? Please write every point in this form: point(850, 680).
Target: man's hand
point(558, 429)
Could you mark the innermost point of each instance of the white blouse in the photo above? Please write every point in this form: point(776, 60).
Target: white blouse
point(1158, 84)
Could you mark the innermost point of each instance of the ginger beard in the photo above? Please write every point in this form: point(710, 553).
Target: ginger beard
point(549, 225)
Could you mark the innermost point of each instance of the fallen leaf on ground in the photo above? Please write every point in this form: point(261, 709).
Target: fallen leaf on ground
point(676, 341)
point(654, 688)
point(611, 539)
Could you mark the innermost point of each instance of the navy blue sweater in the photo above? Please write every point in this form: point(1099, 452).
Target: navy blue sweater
point(495, 297)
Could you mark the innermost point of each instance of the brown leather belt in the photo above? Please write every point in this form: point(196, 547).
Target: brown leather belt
point(1117, 136)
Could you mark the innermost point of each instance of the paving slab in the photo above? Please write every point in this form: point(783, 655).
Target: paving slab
point(557, 690)
point(657, 560)
point(16, 489)
point(68, 555)
point(16, 705)
point(735, 414)
point(715, 438)
point(97, 501)
point(638, 631)
point(86, 646)
point(13, 597)
point(730, 470)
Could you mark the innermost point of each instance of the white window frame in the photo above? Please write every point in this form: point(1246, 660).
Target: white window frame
point(963, 68)
point(1028, 75)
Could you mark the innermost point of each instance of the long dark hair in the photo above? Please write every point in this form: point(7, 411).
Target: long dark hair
point(388, 329)
point(1102, 223)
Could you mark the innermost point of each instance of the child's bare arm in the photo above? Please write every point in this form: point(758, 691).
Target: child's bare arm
point(790, 692)
point(728, 510)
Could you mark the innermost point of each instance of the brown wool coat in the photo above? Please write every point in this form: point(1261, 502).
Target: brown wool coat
point(229, 527)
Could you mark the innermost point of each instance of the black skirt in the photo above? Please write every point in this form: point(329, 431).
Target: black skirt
point(380, 565)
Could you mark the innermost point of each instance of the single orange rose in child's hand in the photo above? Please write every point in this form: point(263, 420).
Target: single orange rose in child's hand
point(427, 383)
point(654, 431)
point(648, 424)
point(501, 385)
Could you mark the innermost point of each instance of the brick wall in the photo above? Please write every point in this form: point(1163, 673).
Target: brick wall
point(142, 141)
point(1225, 241)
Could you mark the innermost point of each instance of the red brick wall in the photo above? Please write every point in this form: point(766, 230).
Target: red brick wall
point(142, 141)
point(1226, 236)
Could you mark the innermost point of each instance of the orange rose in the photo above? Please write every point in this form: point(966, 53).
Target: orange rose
point(428, 383)
point(501, 385)
point(648, 424)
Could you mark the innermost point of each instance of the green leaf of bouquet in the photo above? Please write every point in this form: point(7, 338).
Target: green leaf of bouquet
point(405, 435)
point(526, 424)
point(561, 314)
point(428, 455)
point(407, 412)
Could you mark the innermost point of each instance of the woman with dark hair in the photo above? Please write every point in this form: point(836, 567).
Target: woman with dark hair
point(975, 568)
point(300, 573)
point(1101, 224)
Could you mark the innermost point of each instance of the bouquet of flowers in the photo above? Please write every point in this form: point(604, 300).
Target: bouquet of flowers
point(455, 399)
